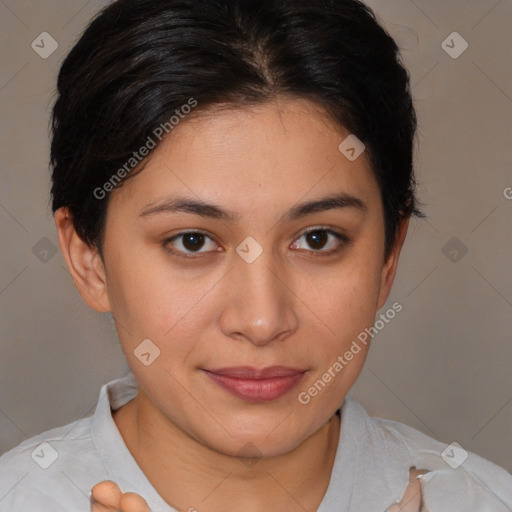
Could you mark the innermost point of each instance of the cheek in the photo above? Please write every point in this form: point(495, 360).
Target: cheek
point(140, 296)
point(347, 307)
point(152, 300)
point(347, 297)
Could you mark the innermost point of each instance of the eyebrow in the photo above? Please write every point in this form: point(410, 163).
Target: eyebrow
point(210, 210)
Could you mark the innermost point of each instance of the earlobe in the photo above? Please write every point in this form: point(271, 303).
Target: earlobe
point(83, 261)
point(389, 269)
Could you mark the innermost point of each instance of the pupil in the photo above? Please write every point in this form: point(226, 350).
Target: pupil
point(193, 241)
point(317, 237)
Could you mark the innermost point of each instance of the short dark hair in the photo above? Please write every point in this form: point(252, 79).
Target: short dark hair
point(139, 61)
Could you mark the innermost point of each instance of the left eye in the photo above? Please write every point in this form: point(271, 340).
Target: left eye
point(319, 238)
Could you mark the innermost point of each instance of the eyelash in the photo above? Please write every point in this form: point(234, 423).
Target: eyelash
point(342, 239)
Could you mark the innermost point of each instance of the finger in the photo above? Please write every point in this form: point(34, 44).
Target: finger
point(413, 500)
point(132, 502)
point(105, 497)
point(98, 507)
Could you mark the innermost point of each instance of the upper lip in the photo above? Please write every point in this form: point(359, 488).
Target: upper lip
point(248, 372)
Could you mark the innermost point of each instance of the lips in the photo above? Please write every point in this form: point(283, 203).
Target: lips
point(248, 372)
point(256, 385)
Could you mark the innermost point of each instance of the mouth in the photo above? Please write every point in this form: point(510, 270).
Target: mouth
point(256, 385)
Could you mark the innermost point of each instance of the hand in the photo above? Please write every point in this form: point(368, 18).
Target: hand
point(412, 499)
point(107, 497)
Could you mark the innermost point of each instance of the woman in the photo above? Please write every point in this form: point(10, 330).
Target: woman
point(233, 180)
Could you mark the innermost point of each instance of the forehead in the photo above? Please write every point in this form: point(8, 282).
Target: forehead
point(252, 157)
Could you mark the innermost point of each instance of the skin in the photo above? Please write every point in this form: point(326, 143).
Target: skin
point(292, 306)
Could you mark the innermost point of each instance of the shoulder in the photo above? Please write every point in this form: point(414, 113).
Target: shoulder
point(457, 479)
point(56, 470)
point(43, 472)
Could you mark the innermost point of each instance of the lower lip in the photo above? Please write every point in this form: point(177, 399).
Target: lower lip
point(253, 390)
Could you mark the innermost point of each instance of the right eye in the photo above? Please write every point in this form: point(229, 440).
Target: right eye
point(187, 243)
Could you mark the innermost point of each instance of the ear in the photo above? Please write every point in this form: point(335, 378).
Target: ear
point(389, 268)
point(83, 261)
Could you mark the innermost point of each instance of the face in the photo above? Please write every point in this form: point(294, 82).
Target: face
point(253, 280)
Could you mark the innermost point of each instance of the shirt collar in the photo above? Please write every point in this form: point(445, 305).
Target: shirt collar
point(366, 465)
point(110, 444)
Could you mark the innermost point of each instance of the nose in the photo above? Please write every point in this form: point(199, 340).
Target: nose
point(259, 304)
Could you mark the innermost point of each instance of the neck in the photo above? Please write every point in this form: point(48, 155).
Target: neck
point(189, 475)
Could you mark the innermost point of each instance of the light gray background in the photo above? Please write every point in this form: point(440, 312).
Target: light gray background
point(442, 365)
